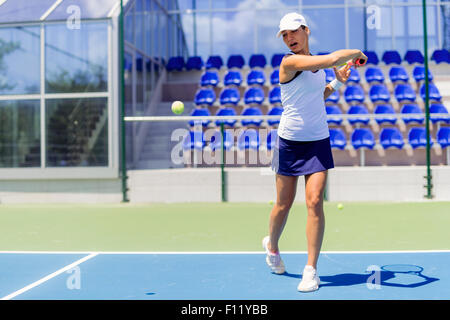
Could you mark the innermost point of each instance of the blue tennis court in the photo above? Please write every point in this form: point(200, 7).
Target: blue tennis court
point(220, 276)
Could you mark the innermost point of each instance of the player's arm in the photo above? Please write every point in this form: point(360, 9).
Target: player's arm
point(299, 62)
point(342, 75)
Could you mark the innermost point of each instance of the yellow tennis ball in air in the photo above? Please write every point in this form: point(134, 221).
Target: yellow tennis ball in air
point(270, 202)
point(177, 107)
point(340, 206)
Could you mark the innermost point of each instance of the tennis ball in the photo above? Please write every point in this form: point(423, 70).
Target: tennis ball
point(340, 206)
point(270, 202)
point(177, 107)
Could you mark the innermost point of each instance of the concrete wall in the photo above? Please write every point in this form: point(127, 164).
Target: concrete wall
point(244, 185)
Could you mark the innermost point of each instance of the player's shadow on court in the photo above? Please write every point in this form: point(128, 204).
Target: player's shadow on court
point(381, 278)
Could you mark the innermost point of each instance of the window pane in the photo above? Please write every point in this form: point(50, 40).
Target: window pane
point(234, 33)
point(76, 60)
point(77, 132)
point(23, 10)
point(268, 43)
point(20, 143)
point(19, 60)
point(85, 9)
point(323, 24)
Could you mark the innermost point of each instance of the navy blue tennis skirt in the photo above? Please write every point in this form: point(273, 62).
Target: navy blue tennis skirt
point(298, 158)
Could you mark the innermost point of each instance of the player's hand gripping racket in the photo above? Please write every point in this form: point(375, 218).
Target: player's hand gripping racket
point(358, 63)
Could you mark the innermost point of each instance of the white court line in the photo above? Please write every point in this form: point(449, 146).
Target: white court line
point(50, 276)
point(219, 252)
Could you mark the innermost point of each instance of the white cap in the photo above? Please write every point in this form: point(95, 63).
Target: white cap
point(291, 21)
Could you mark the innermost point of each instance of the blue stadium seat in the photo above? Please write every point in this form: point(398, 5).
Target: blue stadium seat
point(256, 77)
point(175, 64)
point(434, 94)
point(417, 137)
point(276, 60)
point(257, 61)
point(385, 109)
point(374, 74)
point(391, 138)
point(275, 111)
point(205, 96)
point(232, 77)
point(235, 61)
point(391, 56)
point(214, 62)
point(254, 95)
point(404, 92)
point(209, 78)
point(439, 56)
point(335, 111)
point(409, 109)
point(362, 138)
point(275, 77)
point(275, 95)
point(248, 139)
point(329, 75)
point(337, 138)
point(438, 108)
point(398, 73)
point(354, 76)
point(372, 57)
point(251, 111)
point(358, 109)
point(271, 139)
point(333, 97)
point(354, 94)
point(419, 74)
point(227, 111)
point(443, 137)
point(194, 140)
point(199, 112)
point(414, 56)
point(229, 96)
point(194, 63)
point(216, 140)
point(379, 92)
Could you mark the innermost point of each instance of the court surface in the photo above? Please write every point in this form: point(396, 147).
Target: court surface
point(200, 251)
point(218, 276)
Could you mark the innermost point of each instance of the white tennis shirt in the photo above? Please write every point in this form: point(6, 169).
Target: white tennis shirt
point(304, 116)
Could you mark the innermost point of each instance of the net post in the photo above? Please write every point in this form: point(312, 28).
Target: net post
point(427, 101)
point(123, 161)
point(222, 164)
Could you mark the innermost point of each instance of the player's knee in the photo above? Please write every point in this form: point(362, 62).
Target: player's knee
point(284, 206)
point(314, 202)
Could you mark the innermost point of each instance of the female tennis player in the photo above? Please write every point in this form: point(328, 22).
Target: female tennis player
point(303, 144)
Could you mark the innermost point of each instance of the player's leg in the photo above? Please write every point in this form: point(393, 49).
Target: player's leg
point(315, 226)
point(286, 189)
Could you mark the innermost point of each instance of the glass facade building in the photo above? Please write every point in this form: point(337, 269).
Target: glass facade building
point(60, 81)
point(59, 63)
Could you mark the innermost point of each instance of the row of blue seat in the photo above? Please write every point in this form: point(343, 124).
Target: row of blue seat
point(378, 93)
point(411, 113)
point(178, 63)
point(360, 138)
point(258, 77)
point(232, 96)
point(388, 137)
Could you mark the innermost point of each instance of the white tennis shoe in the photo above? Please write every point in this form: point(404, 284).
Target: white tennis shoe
point(273, 259)
point(310, 280)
